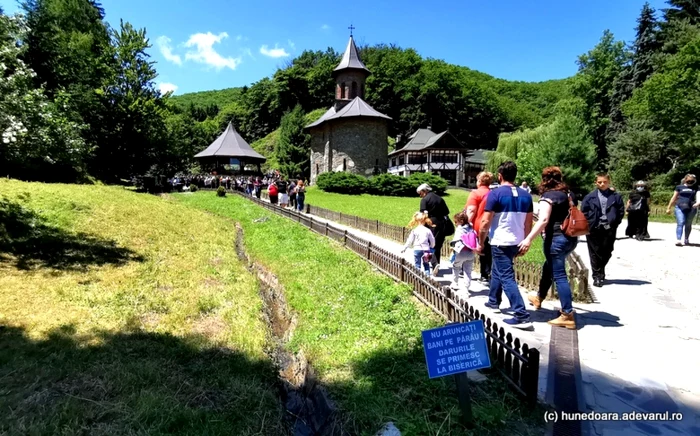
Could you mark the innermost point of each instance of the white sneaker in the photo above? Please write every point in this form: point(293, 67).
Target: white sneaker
point(678, 243)
point(454, 286)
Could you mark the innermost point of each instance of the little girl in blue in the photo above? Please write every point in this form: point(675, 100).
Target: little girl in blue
point(421, 239)
point(462, 244)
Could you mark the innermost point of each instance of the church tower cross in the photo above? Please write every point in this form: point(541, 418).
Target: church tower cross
point(351, 29)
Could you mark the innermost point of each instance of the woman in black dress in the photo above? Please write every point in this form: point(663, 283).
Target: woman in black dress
point(638, 212)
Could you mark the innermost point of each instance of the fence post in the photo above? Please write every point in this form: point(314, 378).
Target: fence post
point(326, 232)
point(308, 208)
point(533, 374)
point(402, 275)
point(377, 226)
point(449, 310)
point(369, 248)
point(345, 237)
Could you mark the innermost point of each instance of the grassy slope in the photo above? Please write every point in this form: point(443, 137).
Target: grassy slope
point(125, 313)
point(361, 331)
point(395, 210)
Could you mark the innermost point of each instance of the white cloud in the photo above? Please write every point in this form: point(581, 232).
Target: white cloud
point(291, 44)
point(325, 27)
point(204, 52)
point(167, 51)
point(165, 87)
point(273, 52)
point(248, 52)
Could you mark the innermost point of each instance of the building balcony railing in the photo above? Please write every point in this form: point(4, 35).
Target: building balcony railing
point(426, 167)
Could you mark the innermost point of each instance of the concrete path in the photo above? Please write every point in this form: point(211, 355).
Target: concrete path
point(639, 344)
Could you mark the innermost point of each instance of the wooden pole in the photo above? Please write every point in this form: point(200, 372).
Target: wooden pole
point(465, 401)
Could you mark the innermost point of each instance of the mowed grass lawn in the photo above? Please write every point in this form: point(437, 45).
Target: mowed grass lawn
point(123, 313)
point(361, 332)
point(397, 210)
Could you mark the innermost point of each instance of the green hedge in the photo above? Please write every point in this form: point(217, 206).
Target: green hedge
point(383, 184)
point(342, 183)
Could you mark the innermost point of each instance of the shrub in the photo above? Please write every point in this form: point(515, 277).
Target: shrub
point(193, 188)
point(392, 185)
point(221, 192)
point(342, 183)
point(437, 183)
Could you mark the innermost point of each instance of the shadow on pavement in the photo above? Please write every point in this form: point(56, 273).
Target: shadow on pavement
point(628, 282)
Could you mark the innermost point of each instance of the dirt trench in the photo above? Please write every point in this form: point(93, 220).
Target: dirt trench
point(310, 411)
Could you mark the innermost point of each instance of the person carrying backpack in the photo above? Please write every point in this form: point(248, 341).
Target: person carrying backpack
point(463, 243)
point(687, 199)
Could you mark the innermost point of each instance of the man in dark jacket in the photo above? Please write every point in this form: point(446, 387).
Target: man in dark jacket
point(604, 211)
point(439, 214)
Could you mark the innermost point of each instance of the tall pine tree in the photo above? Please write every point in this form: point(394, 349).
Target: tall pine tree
point(292, 149)
point(598, 71)
point(634, 74)
point(688, 10)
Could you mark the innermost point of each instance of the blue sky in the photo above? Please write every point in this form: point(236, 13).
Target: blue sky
point(215, 44)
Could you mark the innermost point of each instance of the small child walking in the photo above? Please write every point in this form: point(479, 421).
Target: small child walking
point(421, 239)
point(463, 254)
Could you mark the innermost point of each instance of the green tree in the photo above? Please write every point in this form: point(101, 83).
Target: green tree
point(669, 103)
point(293, 152)
point(643, 57)
point(39, 141)
point(134, 134)
point(598, 71)
point(685, 10)
point(565, 143)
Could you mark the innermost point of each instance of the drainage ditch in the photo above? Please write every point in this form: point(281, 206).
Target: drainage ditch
point(310, 411)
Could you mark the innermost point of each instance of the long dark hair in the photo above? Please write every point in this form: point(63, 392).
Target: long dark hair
point(552, 180)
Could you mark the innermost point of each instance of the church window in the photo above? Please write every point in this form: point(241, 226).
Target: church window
point(345, 164)
point(316, 168)
point(353, 93)
point(342, 90)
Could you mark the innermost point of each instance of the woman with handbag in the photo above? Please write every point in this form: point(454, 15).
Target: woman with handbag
point(687, 200)
point(638, 212)
point(554, 205)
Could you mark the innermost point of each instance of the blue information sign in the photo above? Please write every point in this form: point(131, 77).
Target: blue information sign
point(456, 348)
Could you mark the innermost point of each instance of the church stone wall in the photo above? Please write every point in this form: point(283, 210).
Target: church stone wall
point(353, 144)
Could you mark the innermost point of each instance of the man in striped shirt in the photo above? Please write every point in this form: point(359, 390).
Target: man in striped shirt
point(506, 221)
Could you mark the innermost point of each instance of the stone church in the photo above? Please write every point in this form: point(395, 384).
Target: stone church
point(351, 136)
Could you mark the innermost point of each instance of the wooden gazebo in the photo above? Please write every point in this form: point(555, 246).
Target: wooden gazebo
point(230, 145)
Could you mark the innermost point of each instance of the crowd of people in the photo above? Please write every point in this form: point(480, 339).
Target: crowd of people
point(286, 193)
point(501, 215)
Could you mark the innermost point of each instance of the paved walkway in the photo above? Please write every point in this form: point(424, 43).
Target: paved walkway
point(639, 344)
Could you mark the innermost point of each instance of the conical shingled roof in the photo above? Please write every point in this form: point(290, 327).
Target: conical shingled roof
point(351, 59)
point(356, 108)
point(231, 144)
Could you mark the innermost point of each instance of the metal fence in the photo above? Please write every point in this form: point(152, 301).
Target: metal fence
point(513, 358)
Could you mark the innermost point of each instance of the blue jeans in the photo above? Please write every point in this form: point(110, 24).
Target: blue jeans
point(503, 280)
point(300, 202)
point(554, 269)
point(684, 221)
point(418, 261)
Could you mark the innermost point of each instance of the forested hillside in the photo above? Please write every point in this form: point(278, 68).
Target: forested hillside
point(415, 92)
point(78, 102)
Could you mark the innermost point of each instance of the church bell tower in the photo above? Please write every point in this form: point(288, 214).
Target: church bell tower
point(350, 76)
